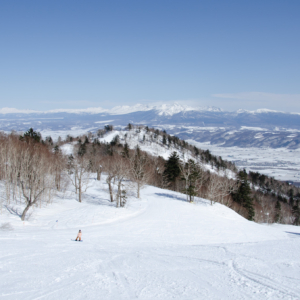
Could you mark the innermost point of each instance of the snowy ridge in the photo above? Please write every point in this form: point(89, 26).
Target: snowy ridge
point(155, 147)
point(8, 110)
point(164, 109)
point(260, 111)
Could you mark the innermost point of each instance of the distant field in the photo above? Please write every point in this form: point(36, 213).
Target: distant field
point(282, 164)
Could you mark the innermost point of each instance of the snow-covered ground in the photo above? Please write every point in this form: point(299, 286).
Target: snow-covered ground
point(159, 247)
point(282, 164)
point(155, 147)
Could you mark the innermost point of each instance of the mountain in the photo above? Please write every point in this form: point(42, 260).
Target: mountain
point(260, 128)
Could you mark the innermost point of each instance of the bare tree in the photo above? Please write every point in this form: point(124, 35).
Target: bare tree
point(79, 172)
point(139, 172)
point(122, 171)
point(109, 167)
point(186, 171)
point(35, 174)
point(213, 188)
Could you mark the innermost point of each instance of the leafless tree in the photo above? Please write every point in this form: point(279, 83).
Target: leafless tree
point(36, 174)
point(109, 167)
point(122, 171)
point(139, 173)
point(79, 172)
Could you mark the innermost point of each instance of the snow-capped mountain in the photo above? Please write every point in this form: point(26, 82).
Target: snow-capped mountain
point(163, 109)
point(202, 124)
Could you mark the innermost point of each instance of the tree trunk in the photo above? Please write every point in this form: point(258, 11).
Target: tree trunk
point(186, 191)
point(119, 194)
point(110, 192)
point(25, 211)
point(79, 193)
point(138, 190)
point(98, 174)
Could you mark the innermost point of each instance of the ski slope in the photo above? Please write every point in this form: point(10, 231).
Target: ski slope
point(159, 247)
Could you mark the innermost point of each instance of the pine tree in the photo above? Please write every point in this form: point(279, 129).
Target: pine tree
point(172, 170)
point(190, 174)
point(164, 140)
point(296, 213)
point(169, 140)
point(242, 195)
point(277, 212)
point(31, 135)
point(125, 152)
point(81, 149)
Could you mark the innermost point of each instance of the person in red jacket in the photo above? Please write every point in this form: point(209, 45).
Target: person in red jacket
point(79, 236)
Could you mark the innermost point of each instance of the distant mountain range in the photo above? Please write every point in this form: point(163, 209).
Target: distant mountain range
point(260, 128)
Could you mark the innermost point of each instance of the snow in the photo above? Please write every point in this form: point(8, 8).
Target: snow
point(67, 149)
point(253, 128)
point(258, 111)
point(280, 163)
point(74, 131)
point(163, 109)
point(155, 147)
point(159, 247)
point(104, 122)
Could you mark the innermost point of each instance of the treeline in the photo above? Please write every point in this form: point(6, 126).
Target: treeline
point(277, 201)
point(33, 170)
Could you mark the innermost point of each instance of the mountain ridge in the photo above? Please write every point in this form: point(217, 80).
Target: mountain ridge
point(161, 109)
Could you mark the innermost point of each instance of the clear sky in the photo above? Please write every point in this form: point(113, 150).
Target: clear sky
point(78, 54)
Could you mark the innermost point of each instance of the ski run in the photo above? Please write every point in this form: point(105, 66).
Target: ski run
point(156, 247)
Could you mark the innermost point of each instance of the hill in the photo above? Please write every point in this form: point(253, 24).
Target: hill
point(159, 247)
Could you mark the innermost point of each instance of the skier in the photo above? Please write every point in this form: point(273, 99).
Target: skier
point(79, 235)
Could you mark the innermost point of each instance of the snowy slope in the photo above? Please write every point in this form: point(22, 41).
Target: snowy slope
point(160, 247)
point(155, 147)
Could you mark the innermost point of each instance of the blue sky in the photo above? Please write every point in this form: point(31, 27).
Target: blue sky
point(77, 54)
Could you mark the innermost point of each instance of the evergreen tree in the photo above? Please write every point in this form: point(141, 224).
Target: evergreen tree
point(242, 195)
point(56, 149)
point(81, 148)
point(296, 213)
point(172, 170)
point(125, 152)
point(164, 140)
point(277, 212)
point(115, 141)
point(291, 195)
point(192, 173)
point(31, 135)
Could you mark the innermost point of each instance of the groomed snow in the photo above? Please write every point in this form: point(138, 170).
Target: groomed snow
point(159, 247)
